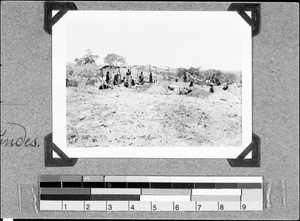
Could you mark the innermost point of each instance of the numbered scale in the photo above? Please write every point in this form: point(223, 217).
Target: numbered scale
point(150, 193)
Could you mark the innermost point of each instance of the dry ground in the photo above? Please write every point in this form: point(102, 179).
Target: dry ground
point(150, 117)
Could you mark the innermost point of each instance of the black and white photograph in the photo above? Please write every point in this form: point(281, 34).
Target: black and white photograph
point(154, 79)
point(165, 110)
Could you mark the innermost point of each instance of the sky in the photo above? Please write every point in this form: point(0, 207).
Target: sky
point(166, 39)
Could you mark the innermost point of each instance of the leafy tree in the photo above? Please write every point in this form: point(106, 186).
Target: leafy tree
point(114, 59)
point(180, 72)
point(88, 58)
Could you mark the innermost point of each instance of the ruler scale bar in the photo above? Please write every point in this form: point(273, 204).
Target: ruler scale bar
point(150, 205)
point(150, 193)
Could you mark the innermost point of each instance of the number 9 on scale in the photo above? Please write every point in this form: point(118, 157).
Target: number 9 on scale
point(244, 207)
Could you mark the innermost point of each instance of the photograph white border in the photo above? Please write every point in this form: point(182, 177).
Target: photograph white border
point(59, 94)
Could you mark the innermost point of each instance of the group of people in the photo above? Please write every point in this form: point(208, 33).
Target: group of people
point(142, 79)
point(211, 89)
point(127, 81)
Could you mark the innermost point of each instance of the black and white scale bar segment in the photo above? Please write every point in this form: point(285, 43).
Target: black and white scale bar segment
point(150, 193)
point(103, 197)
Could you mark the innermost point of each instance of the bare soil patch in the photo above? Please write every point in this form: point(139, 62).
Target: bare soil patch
point(151, 116)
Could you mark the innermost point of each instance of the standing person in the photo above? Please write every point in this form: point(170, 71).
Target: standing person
point(107, 78)
point(128, 75)
point(141, 78)
point(120, 76)
point(150, 78)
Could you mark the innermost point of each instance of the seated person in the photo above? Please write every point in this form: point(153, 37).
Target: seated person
point(211, 89)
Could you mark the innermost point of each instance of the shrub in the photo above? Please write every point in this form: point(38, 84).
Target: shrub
point(71, 83)
point(91, 82)
point(86, 74)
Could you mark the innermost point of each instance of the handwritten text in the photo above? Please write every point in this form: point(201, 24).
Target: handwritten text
point(20, 140)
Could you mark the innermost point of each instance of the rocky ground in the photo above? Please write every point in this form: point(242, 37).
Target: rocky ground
point(152, 115)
